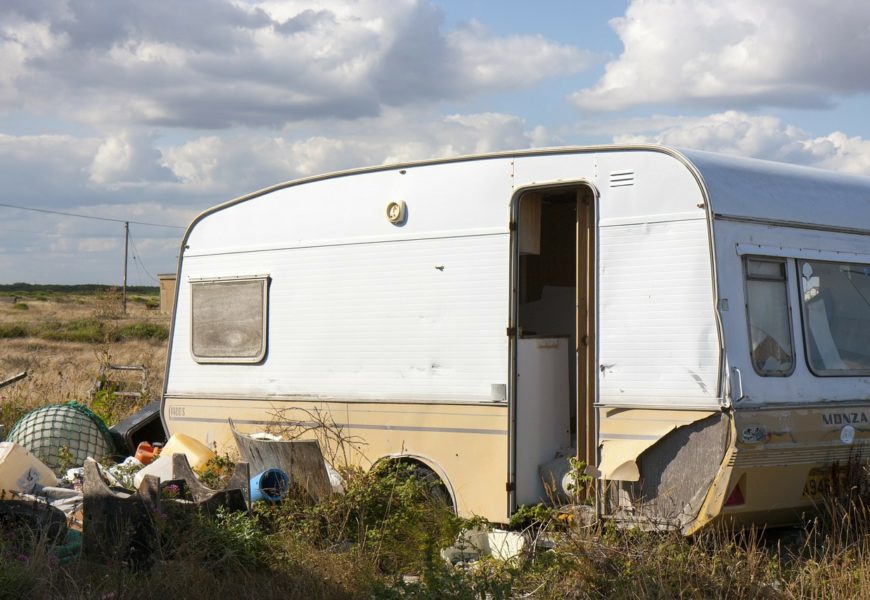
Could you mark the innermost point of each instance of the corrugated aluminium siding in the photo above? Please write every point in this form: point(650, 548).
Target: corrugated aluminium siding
point(657, 332)
point(371, 320)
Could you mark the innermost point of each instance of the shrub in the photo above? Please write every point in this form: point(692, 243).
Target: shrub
point(13, 330)
point(143, 331)
point(88, 331)
point(20, 306)
point(387, 513)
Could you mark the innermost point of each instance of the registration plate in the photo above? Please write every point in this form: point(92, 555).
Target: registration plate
point(820, 483)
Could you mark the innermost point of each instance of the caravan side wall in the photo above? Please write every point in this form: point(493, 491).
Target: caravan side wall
point(396, 331)
point(399, 332)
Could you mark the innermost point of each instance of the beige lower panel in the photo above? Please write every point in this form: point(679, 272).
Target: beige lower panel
point(624, 433)
point(776, 449)
point(466, 444)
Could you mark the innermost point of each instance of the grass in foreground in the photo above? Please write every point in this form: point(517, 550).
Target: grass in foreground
point(366, 543)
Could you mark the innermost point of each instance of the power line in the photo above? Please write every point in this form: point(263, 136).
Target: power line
point(66, 214)
point(138, 258)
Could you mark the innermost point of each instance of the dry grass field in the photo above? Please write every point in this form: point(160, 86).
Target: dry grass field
point(61, 340)
point(382, 538)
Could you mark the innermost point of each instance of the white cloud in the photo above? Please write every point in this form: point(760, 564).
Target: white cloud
point(735, 53)
point(124, 160)
point(738, 133)
point(244, 162)
point(218, 63)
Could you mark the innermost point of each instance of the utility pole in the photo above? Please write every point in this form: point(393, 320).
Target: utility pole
point(126, 244)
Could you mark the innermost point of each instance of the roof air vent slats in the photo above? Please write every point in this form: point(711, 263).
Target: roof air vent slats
point(621, 178)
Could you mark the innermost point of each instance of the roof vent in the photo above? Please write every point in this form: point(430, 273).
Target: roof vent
point(621, 178)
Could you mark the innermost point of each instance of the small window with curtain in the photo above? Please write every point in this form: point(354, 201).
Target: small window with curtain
point(769, 317)
point(228, 319)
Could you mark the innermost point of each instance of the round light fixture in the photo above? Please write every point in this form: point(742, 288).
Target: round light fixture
point(396, 212)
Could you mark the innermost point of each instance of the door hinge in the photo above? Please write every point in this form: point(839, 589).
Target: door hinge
point(512, 226)
point(510, 486)
point(512, 332)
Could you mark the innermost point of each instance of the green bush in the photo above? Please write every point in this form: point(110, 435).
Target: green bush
point(20, 306)
point(388, 513)
point(88, 331)
point(13, 330)
point(143, 331)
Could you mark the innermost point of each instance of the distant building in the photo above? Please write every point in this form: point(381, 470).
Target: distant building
point(167, 292)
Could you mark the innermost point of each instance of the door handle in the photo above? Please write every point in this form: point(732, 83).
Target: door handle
point(739, 377)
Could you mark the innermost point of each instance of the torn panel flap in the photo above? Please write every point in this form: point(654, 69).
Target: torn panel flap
point(627, 433)
point(618, 459)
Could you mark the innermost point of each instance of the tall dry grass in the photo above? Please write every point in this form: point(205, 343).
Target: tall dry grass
point(364, 544)
point(60, 371)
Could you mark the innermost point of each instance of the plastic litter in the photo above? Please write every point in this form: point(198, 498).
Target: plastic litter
point(146, 452)
point(122, 474)
point(21, 471)
point(197, 453)
point(70, 548)
point(336, 481)
point(160, 468)
point(141, 426)
point(270, 485)
point(474, 544)
point(63, 434)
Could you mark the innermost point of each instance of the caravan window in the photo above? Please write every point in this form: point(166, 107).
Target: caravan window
point(768, 313)
point(228, 320)
point(836, 315)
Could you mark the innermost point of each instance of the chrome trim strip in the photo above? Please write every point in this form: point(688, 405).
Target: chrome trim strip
point(322, 400)
point(791, 224)
point(349, 425)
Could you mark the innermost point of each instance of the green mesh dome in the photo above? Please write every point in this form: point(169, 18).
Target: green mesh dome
point(46, 430)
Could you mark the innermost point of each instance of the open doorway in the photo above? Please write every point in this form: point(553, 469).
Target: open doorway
point(555, 331)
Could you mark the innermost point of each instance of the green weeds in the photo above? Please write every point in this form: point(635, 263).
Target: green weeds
point(143, 331)
point(85, 331)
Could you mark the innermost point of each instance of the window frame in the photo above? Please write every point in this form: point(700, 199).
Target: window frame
point(805, 326)
point(783, 261)
point(265, 282)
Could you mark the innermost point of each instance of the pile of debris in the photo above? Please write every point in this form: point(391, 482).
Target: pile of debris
point(58, 480)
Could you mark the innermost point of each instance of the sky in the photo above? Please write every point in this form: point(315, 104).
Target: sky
point(151, 112)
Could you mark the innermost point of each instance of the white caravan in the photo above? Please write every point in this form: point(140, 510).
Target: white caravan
point(694, 327)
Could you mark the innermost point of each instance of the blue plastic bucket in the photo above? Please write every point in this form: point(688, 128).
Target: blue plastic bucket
point(269, 486)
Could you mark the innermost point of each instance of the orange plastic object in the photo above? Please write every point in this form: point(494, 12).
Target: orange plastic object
point(146, 452)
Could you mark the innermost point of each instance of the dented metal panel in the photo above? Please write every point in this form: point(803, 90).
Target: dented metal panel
point(659, 342)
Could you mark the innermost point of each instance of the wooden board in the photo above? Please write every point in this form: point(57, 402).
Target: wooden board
point(302, 460)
